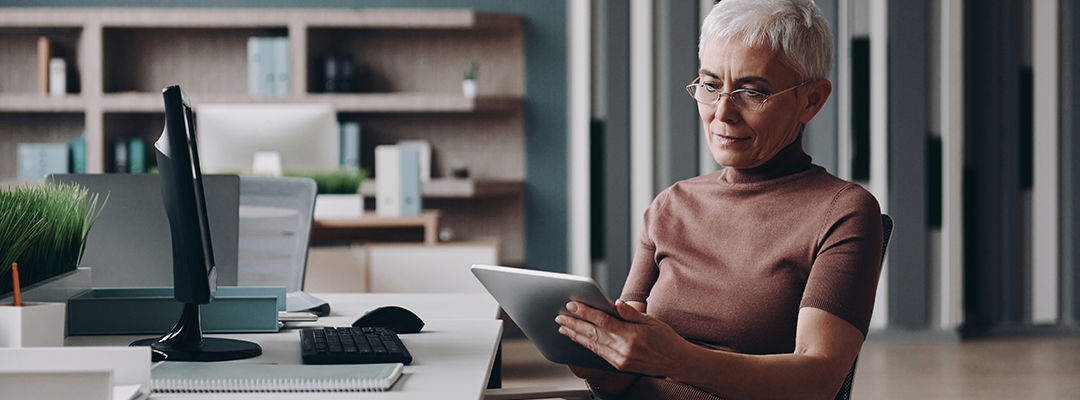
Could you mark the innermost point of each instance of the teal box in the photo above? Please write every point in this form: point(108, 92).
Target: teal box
point(124, 311)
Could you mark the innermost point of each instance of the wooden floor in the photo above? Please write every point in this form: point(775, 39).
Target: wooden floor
point(1029, 368)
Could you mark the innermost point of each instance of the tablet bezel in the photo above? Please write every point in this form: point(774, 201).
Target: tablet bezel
point(534, 298)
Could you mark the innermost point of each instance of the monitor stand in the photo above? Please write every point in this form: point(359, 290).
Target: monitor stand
point(186, 343)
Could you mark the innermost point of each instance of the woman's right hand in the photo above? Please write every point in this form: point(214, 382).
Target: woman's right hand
point(604, 384)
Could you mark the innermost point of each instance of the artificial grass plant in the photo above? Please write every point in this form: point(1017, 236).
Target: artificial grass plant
point(44, 229)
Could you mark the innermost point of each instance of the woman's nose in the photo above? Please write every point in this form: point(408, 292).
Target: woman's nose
point(726, 111)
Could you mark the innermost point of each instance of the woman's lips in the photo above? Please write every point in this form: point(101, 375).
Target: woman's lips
point(729, 140)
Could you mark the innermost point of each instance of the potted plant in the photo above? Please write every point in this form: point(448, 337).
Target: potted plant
point(337, 190)
point(468, 85)
point(43, 229)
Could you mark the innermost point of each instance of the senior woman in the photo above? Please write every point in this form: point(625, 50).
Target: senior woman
point(756, 281)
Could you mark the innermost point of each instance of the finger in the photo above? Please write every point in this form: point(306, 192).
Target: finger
point(629, 313)
point(585, 312)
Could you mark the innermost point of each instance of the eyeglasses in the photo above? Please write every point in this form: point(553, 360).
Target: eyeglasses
point(746, 99)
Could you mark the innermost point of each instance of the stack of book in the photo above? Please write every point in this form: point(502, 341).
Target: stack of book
point(268, 66)
point(38, 160)
point(129, 156)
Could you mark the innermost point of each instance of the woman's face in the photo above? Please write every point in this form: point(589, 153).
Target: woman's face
point(743, 138)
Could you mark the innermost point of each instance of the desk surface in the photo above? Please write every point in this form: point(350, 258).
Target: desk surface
point(452, 356)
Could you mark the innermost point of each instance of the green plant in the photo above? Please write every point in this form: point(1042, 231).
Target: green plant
point(470, 73)
point(337, 181)
point(44, 229)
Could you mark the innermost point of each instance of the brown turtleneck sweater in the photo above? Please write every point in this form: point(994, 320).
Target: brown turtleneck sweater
point(728, 259)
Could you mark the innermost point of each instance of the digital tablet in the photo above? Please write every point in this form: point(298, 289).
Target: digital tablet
point(534, 298)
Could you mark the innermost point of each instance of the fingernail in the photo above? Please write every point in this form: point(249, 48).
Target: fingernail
point(571, 307)
point(559, 319)
point(562, 330)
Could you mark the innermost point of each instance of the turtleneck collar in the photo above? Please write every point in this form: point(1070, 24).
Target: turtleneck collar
point(790, 160)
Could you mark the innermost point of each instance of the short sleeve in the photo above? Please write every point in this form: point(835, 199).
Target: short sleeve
point(844, 275)
point(643, 269)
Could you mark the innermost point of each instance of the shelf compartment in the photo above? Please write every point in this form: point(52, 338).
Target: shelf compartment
point(404, 60)
point(34, 128)
point(450, 188)
point(200, 60)
point(19, 57)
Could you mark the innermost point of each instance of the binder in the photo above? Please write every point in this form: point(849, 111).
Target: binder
point(187, 377)
point(136, 155)
point(349, 140)
point(39, 159)
point(397, 183)
point(78, 155)
point(281, 65)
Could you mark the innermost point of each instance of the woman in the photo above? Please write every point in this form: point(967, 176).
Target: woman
point(756, 281)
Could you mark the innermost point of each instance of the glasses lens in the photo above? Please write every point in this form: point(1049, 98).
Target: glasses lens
point(748, 100)
point(702, 93)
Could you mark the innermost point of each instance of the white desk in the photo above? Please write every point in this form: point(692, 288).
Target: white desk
point(452, 356)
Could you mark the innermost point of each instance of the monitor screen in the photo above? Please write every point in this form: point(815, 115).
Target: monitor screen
point(304, 136)
point(185, 204)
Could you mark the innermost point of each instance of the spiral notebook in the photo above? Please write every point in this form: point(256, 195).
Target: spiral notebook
point(182, 377)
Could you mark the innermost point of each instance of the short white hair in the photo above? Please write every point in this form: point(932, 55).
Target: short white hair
point(794, 27)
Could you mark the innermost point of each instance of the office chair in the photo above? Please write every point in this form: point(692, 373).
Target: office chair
point(571, 393)
point(886, 233)
point(275, 230)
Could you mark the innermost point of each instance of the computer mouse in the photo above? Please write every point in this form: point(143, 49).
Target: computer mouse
point(394, 318)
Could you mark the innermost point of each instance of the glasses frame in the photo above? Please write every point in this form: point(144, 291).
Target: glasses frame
point(691, 89)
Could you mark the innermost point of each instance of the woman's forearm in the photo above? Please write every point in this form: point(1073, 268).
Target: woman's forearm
point(742, 376)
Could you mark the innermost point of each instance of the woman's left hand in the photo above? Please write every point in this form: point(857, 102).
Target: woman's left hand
point(637, 343)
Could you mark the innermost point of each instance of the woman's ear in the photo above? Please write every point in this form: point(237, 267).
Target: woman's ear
point(816, 95)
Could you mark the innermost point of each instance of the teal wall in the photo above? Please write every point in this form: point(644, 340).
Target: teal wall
point(545, 105)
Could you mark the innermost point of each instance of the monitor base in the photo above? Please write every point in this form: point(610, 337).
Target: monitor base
point(212, 349)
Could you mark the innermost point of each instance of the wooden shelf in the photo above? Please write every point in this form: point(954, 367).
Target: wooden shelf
point(40, 103)
point(351, 103)
point(429, 220)
point(254, 17)
point(452, 188)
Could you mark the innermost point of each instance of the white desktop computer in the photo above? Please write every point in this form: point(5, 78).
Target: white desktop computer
point(234, 137)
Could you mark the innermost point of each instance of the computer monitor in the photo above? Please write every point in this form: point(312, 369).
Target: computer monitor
point(304, 135)
point(194, 276)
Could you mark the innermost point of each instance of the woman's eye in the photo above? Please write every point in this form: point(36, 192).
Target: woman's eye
point(754, 94)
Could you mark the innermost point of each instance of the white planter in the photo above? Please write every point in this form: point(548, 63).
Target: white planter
point(32, 325)
point(468, 88)
point(339, 206)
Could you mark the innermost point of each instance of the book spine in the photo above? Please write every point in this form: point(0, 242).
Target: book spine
point(44, 49)
point(350, 144)
point(254, 51)
point(78, 155)
point(120, 156)
point(281, 66)
point(330, 74)
point(136, 155)
point(268, 69)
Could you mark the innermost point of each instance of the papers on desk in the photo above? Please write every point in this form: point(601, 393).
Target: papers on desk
point(300, 301)
point(184, 377)
point(92, 373)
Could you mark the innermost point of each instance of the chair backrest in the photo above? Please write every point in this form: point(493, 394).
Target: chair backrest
point(275, 230)
point(886, 233)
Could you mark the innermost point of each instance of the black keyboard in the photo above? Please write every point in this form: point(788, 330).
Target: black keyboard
point(350, 345)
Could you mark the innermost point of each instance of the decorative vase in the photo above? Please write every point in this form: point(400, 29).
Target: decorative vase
point(468, 88)
point(32, 325)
